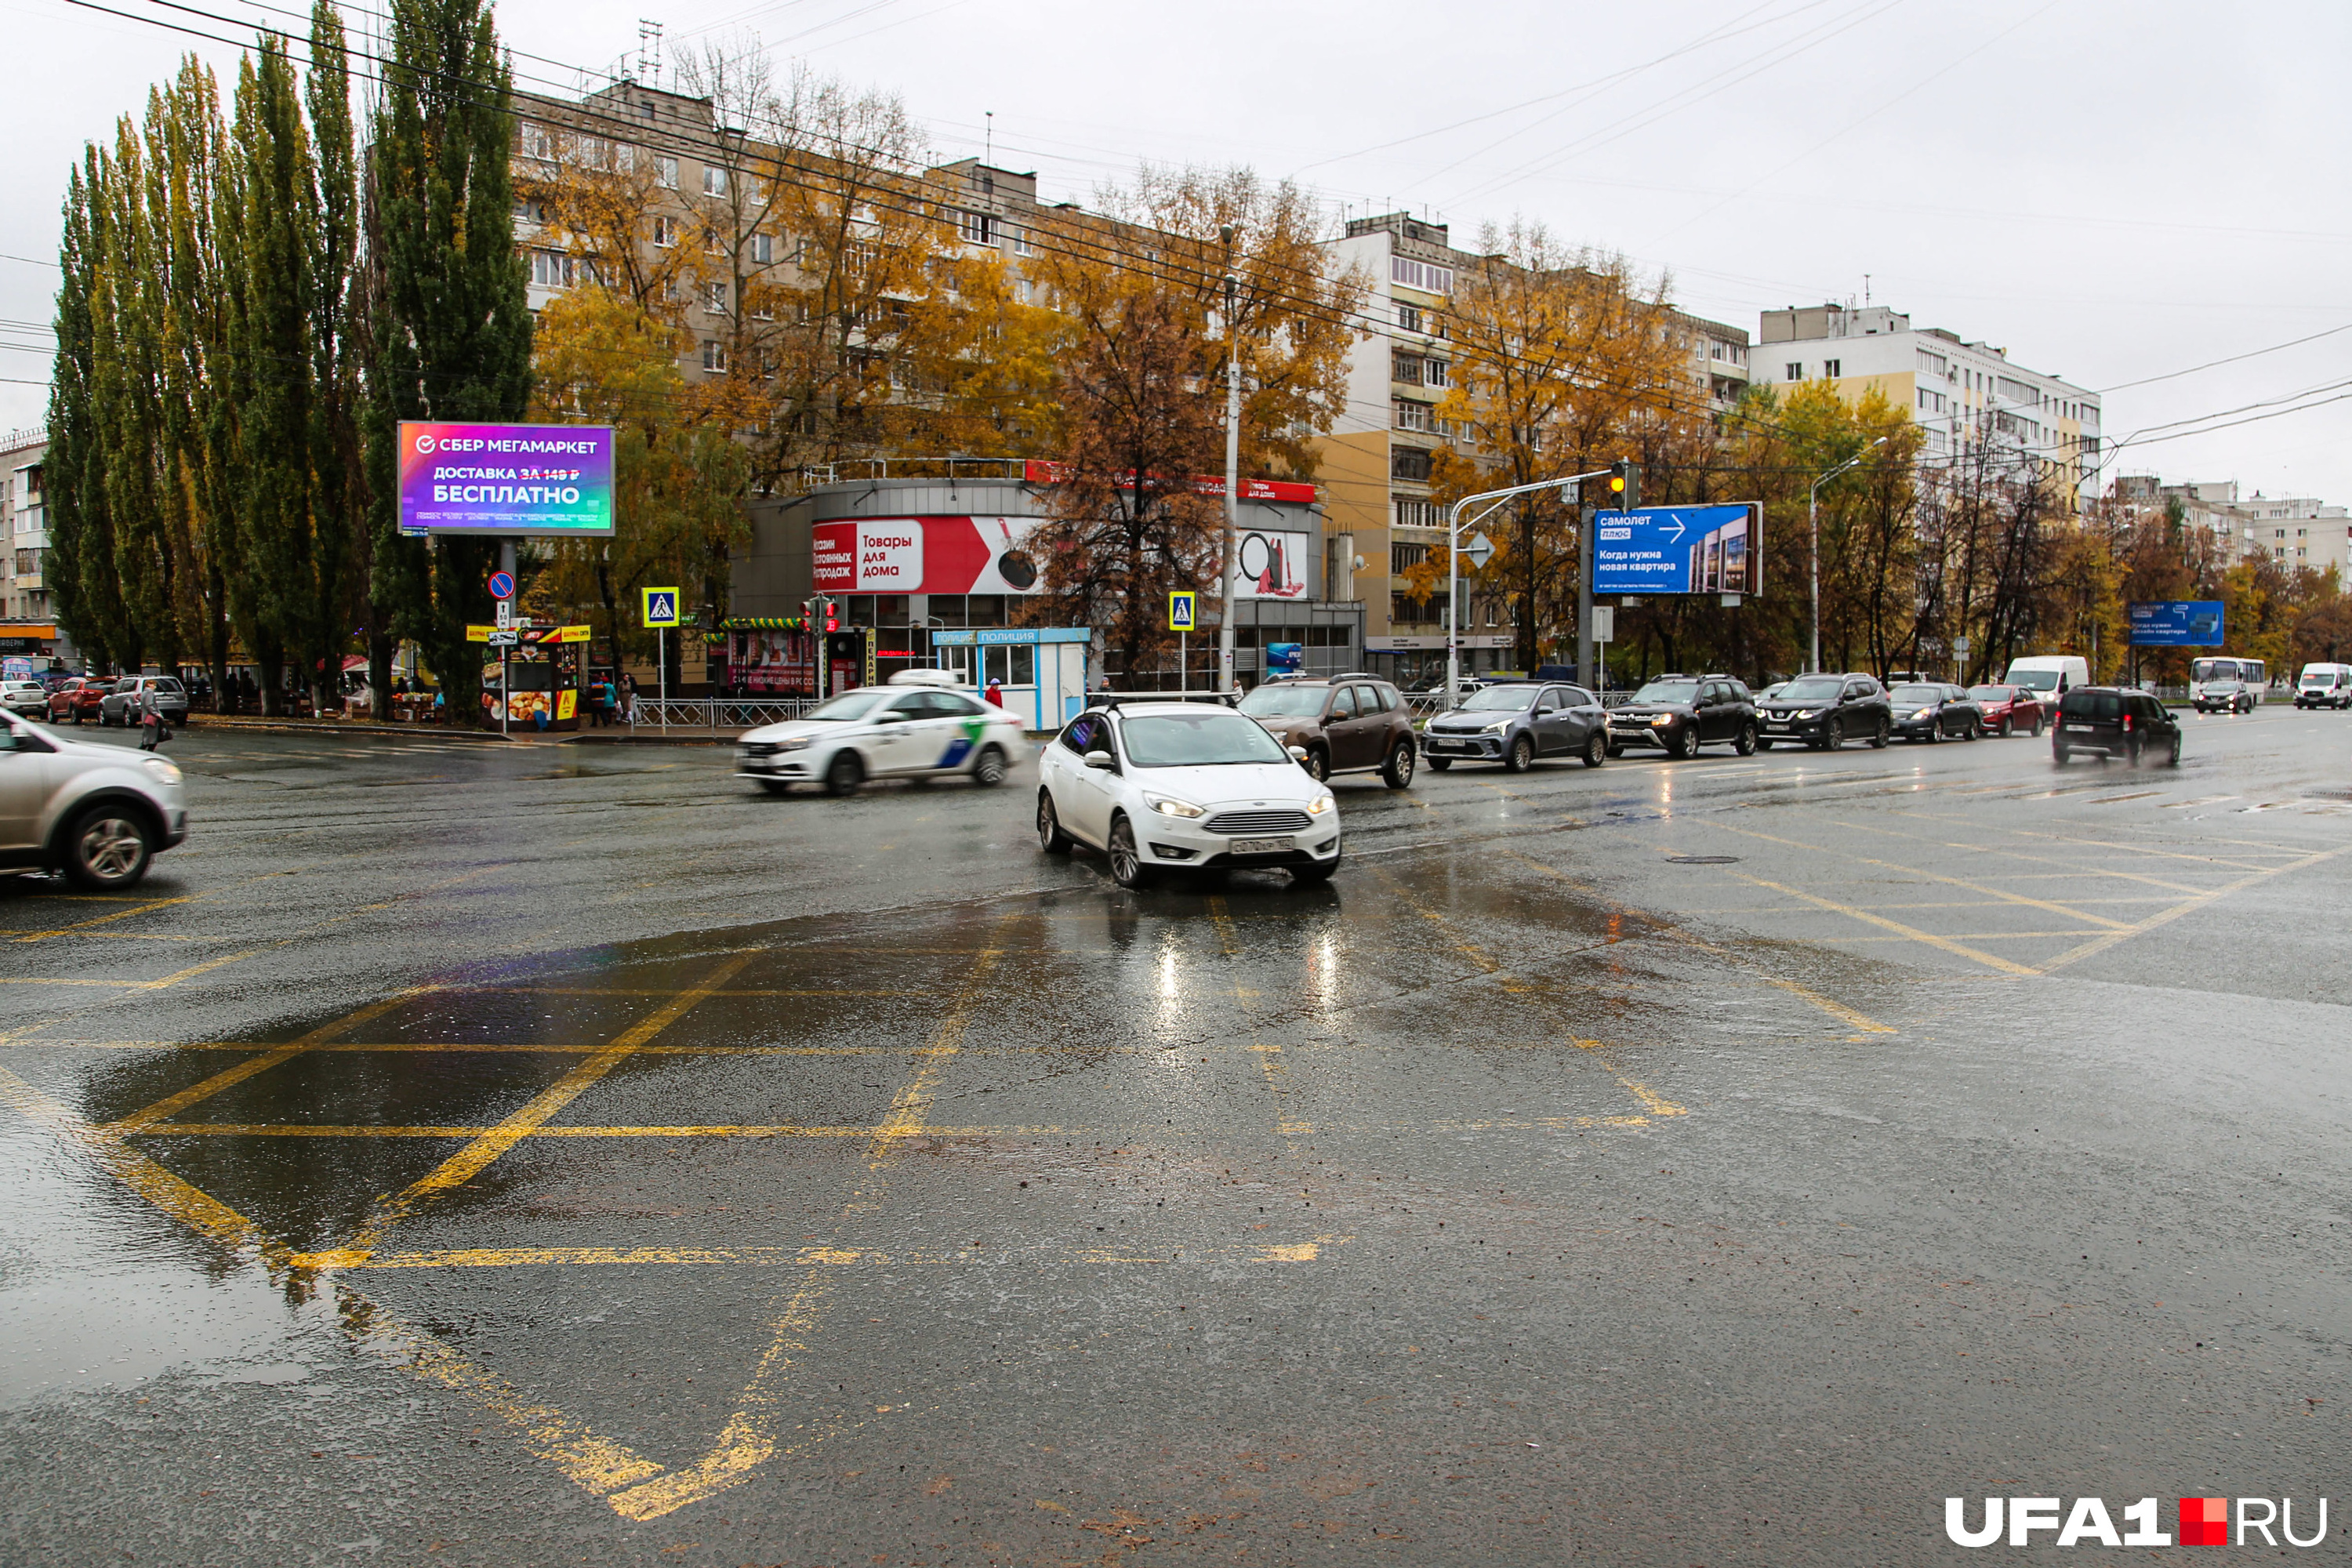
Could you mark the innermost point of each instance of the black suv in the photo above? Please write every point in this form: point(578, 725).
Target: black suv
point(2108, 721)
point(1680, 713)
point(1827, 710)
point(1515, 721)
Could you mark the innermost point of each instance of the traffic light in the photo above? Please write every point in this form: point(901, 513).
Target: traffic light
point(1625, 484)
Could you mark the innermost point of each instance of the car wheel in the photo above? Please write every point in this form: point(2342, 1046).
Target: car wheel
point(1833, 737)
point(1683, 744)
point(1317, 763)
point(2059, 755)
point(776, 787)
point(1439, 765)
point(1050, 837)
point(845, 775)
point(1935, 734)
point(1314, 875)
point(1398, 773)
point(2131, 753)
point(2004, 731)
point(1521, 756)
point(1126, 866)
point(106, 849)
point(1975, 731)
point(1886, 732)
point(1744, 741)
point(2173, 759)
point(1596, 749)
point(988, 771)
point(2036, 731)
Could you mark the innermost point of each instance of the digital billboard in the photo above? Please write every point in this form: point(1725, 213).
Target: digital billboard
point(2175, 623)
point(1677, 550)
point(991, 555)
point(549, 479)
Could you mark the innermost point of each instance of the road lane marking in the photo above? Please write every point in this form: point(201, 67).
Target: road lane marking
point(478, 1155)
point(2043, 904)
point(818, 1257)
point(102, 920)
point(2100, 944)
point(1849, 1016)
point(197, 1093)
point(1990, 960)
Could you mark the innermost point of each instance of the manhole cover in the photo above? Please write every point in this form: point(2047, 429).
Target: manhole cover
point(1702, 860)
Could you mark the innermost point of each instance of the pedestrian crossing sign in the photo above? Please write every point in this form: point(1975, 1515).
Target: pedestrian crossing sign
point(1180, 611)
point(660, 606)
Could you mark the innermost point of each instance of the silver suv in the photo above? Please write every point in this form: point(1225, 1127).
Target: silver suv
point(122, 705)
point(97, 813)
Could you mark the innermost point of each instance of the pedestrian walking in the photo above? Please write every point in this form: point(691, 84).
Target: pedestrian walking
point(153, 731)
point(996, 693)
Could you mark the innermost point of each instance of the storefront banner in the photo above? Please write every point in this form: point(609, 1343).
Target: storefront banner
point(554, 480)
point(990, 555)
point(1273, 565)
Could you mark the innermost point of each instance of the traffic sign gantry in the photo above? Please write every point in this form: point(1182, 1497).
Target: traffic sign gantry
point(1180, 609)
point(502, 584)
point(660, 605)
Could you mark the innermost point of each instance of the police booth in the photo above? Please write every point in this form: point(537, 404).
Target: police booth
point(1041, 670)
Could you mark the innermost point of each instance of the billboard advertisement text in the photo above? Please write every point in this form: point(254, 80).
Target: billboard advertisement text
point(990, 555)
point(1677, 550)
point(547, 480)
point(2175, 623)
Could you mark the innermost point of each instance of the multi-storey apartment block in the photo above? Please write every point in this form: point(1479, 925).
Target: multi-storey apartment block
point(1969, 396)
point(2292, 532)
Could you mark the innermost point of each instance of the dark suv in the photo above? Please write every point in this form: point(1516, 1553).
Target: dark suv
point(1515, 721)
point(1683, 712)
point(2108, 721)
point(1343, 722)
point(1827, 710)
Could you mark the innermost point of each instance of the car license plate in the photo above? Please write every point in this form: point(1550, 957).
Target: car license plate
point(2079, 728)
point(1260, 846)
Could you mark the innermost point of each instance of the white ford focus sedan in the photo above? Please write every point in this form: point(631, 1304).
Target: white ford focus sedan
point(1182, 786)
point(883, 732)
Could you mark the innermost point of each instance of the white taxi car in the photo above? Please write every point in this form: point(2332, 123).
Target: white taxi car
point(905, 729)
point(1161, 786)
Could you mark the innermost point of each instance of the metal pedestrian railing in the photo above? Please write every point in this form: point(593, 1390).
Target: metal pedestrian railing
point(717, 713)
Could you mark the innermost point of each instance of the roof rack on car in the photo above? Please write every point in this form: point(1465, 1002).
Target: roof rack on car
point(1118, 698)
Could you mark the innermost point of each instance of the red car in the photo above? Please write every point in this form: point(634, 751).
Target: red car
point(77, 700)
point(2010, 707)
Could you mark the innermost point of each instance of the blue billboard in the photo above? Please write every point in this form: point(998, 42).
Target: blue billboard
point(2176, 623)
point(1677, 550)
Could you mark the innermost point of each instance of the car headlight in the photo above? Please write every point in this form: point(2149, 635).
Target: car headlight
point(797, 744)
point(1810, 713)
point(1497, 727)
point(1923, 713)
point(1169, 805)
point(1660, 721)
point(162, 770)
point(1321, 803)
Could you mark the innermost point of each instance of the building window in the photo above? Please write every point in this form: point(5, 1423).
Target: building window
point(1795, 370)
point(979, 228)
point(1434, 372)
point(1408, 316)
point(551, 269)
point(537, 144)
point(1410, 463)
point(1421, 275)
point(1406, 368)
point(1020, 242)
point(714, 358)
point(665, 172)
point(714, 180)
point(763, 249)
point(664, 230)
point(1832, 368)
point(714, 298)
point(1403, 558)
point(1411, 415)
point(1420, 514)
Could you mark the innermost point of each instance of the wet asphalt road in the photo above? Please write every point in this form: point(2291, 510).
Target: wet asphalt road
point(540, 1155)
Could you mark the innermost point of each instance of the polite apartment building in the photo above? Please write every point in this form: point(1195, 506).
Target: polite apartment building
point(1376, 460)
point(28, 625)
point(2292, 532)
point(1969, 396)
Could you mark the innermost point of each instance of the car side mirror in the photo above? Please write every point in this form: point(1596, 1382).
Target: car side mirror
point(1298, 753)
point(1102, 760)
point(1541, 711)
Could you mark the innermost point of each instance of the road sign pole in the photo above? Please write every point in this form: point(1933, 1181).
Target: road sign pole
point(1585, 645)
point(661, 673)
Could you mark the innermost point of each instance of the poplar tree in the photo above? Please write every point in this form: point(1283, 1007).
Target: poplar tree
point(448, 319)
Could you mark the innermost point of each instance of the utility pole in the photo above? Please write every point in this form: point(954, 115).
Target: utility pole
point(1813, 525)
point(1233, 466)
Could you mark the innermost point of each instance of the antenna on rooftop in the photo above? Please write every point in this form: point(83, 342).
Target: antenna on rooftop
point(1865, 288)
point(988, 139)
point(649, 49)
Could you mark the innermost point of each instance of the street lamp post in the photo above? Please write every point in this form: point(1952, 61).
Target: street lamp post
point(1455, 523)
point(1813, 524)
point(1232, 469)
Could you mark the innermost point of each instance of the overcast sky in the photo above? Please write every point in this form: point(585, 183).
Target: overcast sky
point(2111, 191)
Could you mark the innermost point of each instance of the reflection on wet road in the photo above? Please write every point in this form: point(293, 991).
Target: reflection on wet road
point(459, 1154)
